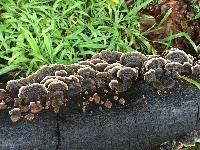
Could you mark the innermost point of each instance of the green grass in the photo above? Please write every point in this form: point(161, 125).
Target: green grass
point(35, 32)
point(191, 81)
point(196, 7)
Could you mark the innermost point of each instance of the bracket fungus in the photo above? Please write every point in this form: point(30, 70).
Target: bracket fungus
point(32, 93)
point(105, 74)
point(162, 72)
point(133, 59)
point(110, 57)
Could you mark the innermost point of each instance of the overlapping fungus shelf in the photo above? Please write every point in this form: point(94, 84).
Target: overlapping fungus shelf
point(96, 83)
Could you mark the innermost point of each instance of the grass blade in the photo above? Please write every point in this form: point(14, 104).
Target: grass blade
point(8, 69)
point(191, 81)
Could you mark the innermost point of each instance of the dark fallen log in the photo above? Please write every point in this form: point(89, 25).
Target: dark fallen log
point(149, 119)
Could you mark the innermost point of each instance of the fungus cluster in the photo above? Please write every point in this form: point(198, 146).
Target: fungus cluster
point(162, 72)
point(106, 74)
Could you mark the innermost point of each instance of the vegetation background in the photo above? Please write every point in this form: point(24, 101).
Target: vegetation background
point(35, 32)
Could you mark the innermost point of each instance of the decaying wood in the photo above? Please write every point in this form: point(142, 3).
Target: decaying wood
point(150, 118)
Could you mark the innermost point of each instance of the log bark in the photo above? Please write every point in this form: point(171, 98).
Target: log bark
point(149, 119)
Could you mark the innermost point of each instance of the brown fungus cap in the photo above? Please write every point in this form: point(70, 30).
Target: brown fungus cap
point(32, 93)
point(150, 76)
point(127, 74)
point(57, 86)
point(196, 70)
point(118, 86)
point(133, 59)
point(101, 79)
point(15, 114)
point(101, 66)
point(177, 55)
point(96, 61)
point(113, 72)
point(13, 87)
point(155, 63)
point(87, 72)
point(86, 63)
point(61, 73)
point(110, 57)
point(110, 66)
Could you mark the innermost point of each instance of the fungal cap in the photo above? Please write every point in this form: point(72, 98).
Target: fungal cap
point(33, 92)
point(110, 66)
point(127, 73)
point(118, 86)
point(196, 70)
point(57, 86)
point(96, 61)
point(15, 114)
point(47, 78)
point(155, 63)
point(101, 66)
point(177, 55)
point(87, 72)
point(150, 76)
point(133, 59)
point(109, 57)
point(61, 73)
point(174, 67)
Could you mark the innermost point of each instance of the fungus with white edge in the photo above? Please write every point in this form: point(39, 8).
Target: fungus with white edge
point(15, 114)
point(101, 79)
point(196, 70)
point(61, 73)
point(110, 57)
point(73, 83)
point(133, 59)
point(101, 66)
point(118, 86)
point(127, 74)
point(110, 66)
point(96, 61)
point(32, 93)
point(155, 63)
point(113, 72)
point(177, 55)
point(56, 93)
point(13, 87)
